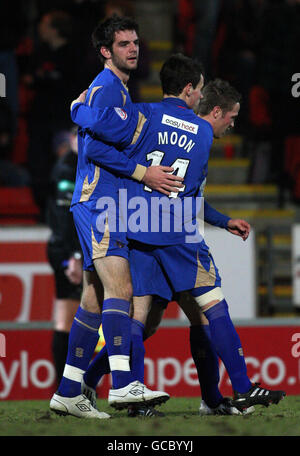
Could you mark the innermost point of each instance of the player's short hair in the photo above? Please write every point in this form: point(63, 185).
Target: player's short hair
point(104, 33)
point(177, 72)
point(218, 93)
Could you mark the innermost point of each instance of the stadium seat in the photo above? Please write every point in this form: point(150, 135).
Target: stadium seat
point(17, 206)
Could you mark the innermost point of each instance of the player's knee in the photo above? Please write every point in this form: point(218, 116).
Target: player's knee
point(125, 292)
point(89, 300)
point(128, 291)
point(119, 291)
point(209, 299)
point(216, 310)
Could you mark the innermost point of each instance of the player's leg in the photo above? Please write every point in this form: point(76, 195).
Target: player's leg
point(147, 317)
point(227, 344)
point(83, 339)
point(155, 315)
point(83, 335)
point(147, 279)
point(191, 267)
point(114, 274)
point(65, 310)
point(66, 304)
point(204, 355)
point(141, 307)
point(100, 364)
point(200, 276)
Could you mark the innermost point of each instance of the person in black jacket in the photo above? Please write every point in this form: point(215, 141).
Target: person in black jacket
point(64, 252)
point(54, 79)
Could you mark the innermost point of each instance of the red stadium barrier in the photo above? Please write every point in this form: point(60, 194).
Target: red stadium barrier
point(272, 356)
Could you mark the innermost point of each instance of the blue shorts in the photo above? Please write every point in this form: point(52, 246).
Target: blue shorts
point(97, 243)
point(166, 270)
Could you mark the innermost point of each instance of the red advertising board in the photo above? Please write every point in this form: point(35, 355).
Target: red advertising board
point(26, 278)
point(272, 356)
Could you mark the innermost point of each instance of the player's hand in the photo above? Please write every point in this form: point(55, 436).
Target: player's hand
point(239, 227)
point(74, 271)
point(159, 178)
point(80, 99)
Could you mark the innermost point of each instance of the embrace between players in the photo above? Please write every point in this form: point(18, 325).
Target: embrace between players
point(155, 156)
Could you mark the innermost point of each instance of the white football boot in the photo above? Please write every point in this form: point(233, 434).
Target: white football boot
point(224, 408)
point(90, 393)
point(78, 406)
point(133, 393)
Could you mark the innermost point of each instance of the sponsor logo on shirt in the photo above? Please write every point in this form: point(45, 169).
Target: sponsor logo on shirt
point(179, 123)
point(121, 113)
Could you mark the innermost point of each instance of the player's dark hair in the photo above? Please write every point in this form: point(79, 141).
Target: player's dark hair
point(178, 71)
point(218, 93)
point(104, 33)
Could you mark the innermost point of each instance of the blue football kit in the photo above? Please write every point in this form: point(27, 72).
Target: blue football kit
point(167, 253)
point(101, 179)
point(94, 180)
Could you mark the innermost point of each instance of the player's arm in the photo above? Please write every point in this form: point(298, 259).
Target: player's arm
point(237, 227)
point(118, 126)
point(110, 124)
point(156, 177)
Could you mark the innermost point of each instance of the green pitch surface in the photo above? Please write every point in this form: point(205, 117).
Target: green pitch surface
point(33, 418)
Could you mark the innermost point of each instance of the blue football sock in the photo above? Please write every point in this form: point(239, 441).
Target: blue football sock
point(137, 350)
point(116, 325)
point(100, 364)
point(207, 364)
point(228, 345)
point(83, 339)
point(97, 368)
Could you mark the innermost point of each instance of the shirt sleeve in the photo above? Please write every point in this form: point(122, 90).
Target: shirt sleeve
point(111, 124)
point(112, 159)
point(214, 217)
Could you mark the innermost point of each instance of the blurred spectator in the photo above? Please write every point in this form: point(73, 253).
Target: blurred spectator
point(207, 14)
point(11, 175)
point(11, 28)
point(53, 76)
point(278, 61)
point(240, 29)
point(64, 251)
point(85, 16)
point(197, 22)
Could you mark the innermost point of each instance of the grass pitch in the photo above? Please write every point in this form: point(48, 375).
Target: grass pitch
point(33, 418)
